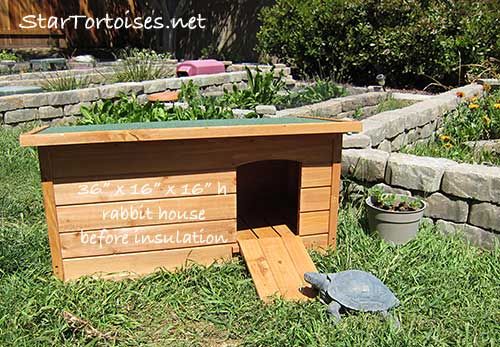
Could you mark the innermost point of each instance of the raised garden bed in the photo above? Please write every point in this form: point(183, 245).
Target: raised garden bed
point(462, 198)
point(468, 134)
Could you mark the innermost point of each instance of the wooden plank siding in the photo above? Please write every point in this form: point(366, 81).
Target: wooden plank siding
point(126, 189)
point(148, 238)
point(162, 157)
point(80, 184)
point(46, 170)
point(315, 199)
point(146, 212)
point(11, 16)
point(120, 265)
point(335, 188)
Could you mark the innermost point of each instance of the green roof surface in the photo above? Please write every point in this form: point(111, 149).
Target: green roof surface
point(181, 124)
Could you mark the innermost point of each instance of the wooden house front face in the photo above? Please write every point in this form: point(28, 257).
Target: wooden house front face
point(135, 207)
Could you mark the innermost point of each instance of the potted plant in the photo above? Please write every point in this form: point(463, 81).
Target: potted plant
point(395, 217)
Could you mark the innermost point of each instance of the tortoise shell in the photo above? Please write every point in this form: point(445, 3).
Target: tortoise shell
point(360, 291)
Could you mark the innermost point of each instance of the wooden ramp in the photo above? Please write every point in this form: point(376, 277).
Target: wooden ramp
point(277, 261)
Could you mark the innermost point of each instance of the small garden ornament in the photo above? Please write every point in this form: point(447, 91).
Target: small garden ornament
point(352, 289)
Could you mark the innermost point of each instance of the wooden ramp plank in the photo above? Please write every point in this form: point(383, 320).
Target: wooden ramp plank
point(300, 258)
point(258, 265)
point(282, 267)
point(273, 245)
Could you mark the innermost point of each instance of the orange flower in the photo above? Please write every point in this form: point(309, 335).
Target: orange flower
point(473, 106)
point(460, 94)
point(445, 138)
point(497, 106)
point(486, 120)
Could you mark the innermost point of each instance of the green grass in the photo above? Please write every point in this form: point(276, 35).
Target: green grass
point(393, 104)
point(448, 289)
point(460, 153)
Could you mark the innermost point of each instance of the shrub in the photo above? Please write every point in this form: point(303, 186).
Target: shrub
point(412, 42)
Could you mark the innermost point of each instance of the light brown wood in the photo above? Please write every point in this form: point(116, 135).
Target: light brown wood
point(167, 96)
point(99, 216)
point(259, 268)
point(142, 135)
point(104, 160)
point(265, 232)
point(96, 191)
point(317, 222)
point(149, 238)
point(36, 130)
point(335, 189)
point(315, 199)
point(282, 267)
point(144, 262)
point(316, 242)
point(51, 213)
point(245, 235)
point(301, 259)
point(317, 176)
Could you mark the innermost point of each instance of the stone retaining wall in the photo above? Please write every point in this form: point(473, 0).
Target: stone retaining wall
point(342, 107)
point(392, 130)
point(94, 76)
point(65, 105)
point(461, 197)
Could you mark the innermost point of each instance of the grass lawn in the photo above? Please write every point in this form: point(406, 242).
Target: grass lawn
point(449, 291)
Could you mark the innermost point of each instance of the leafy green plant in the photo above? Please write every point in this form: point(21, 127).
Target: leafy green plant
point(394, 202)
point(133, 69)
point(144, 54)
point(127, 109)
point(358, 113)
point(262, 89)
point(412, 42)
point(189, 92)
point(61, 83)
point(141, 65)
point(474, 119)
point(320, 90)
point(6, 55)
point(390, 104)
point(124, 110)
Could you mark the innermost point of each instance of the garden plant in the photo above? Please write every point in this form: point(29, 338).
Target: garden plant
point(474, 119)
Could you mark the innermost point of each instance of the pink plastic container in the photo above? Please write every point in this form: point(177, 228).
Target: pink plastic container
point(200, 67)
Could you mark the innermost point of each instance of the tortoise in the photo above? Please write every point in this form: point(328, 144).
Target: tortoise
point(353, 289)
